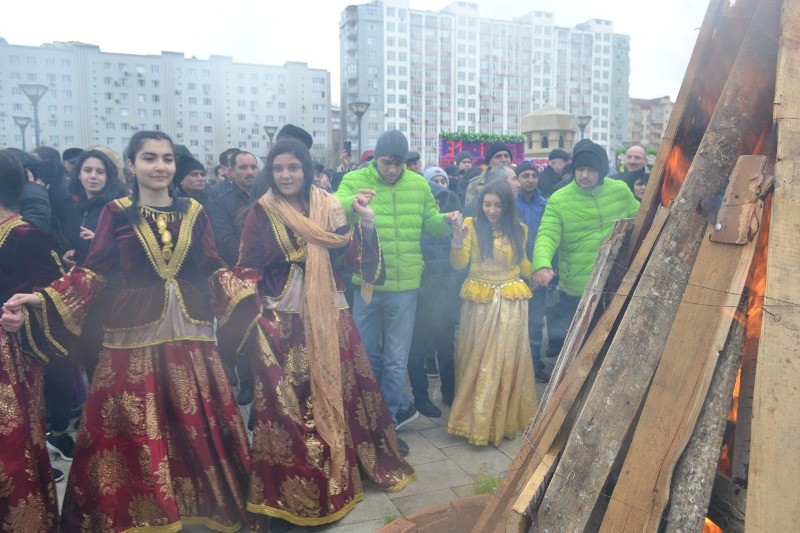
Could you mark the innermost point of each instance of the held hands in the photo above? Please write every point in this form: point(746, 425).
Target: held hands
point(86, 234)
point(361, 207)
point(459, 234)
point(69, 258)
point(543, 276)
point(13, 318)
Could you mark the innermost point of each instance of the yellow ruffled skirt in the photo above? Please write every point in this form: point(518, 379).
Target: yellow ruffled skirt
point(495, 388)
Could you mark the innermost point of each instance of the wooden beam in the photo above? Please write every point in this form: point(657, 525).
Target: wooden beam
point(773, 502)
point(736, 127)
point(595, 293)
point(694, 474)
point(684, 372)
point(727, 506)
point(567, 393)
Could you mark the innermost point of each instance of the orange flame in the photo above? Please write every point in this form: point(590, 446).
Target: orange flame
point(675, 170)
point(711, 527)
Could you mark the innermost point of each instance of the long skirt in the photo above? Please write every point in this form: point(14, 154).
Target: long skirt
point(495, 389)
point(27, 492)
point(161, 444)
point(291, 463)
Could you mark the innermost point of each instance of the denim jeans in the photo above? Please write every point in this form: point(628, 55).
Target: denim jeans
point(559, 318)
point(386, 326)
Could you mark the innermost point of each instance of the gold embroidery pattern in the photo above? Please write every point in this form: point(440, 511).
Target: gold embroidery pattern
point(216, 488)
point(164, 480)
point(256, 489)
point(290, 252)
point(140, 366)
point(362, 365)
point(300, 496)
point(271, 443)
point(166, 269)
point(28, 514)
point(259, 401)
point(183, 387)
point(287, 401)
point(96, 521)
point(345, 330)
point(316, 452)
point(123, 415)
point(7, 226)
point(368, 410)
point(348, 379)
point(264, 349)
point(152, 427)
point(185, 496)
point(145, 512)
point(104, 376)
point(368, 458)
point(355, 475)
point(145, 465)
point(229, 288)
point(6, 485)
point(10, 413)
point(70, 307)
point(108, 472)
point(297, 367)
point(334, 488)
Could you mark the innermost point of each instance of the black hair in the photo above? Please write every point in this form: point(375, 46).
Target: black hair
point(29, 161)
point(508, 224)
point(235, 155)
point(134, 146)
point(12, 178)
point(51, 168)
point(289, 145)
point(113, 187)
point(225, 157)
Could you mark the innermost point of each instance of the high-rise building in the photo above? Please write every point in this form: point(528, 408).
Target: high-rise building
point(424, 72)
point(98, 98)
point(648, 119)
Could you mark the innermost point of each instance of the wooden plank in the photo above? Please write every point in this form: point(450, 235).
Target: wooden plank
point(684, 373)
point(565, 396)
point(744, 416)
point(519, 515)
point(727, 506)
point(694, 475)
point(737, 126)
point(773, 502)
point(606, 262)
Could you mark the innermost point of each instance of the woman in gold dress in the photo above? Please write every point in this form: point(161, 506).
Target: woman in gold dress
point(495, 390)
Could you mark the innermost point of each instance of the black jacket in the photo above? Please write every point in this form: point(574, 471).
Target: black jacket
point(33, 205)
point(549, 180)
point(227, 212)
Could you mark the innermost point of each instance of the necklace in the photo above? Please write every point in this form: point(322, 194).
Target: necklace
point(161, 219)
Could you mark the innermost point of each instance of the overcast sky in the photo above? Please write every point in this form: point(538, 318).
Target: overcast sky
point(273, 32)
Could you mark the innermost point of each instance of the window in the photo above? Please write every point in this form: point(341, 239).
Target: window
point(156, 98)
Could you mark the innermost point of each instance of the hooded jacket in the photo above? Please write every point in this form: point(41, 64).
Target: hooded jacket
point(576, 221)
point(402, 211)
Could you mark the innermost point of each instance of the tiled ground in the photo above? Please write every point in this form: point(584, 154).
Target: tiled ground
point(446, 466)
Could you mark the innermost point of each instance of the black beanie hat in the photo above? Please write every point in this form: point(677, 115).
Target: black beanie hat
point(494, 148)
point(592, 155)
point(185, 165)
point(558, 153)
point(462, 156)
point(525, 166)
point(296, 132)
point(392, 142)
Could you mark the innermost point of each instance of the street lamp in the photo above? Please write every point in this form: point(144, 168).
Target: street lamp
point(270, 131)
point(23, 123)
point(584, 121)
point(34, 92)
point(358, 109)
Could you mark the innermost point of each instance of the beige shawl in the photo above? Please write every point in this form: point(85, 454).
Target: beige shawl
point(320, 311)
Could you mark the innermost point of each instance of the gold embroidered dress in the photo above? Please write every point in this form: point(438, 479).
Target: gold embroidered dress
point(161, 444)
point(495, 389)
point(27, 491)
point(293, 465)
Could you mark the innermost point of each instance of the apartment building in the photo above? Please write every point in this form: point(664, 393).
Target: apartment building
point(99, 98)
point(423, 72)
point(648, 121)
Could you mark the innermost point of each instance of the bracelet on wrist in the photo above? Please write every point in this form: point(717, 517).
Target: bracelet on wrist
point(368, 220)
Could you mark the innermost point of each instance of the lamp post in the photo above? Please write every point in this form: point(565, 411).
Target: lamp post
point(23, 123)
point(358, 109)
point(34, 92)
point(270, 131)
point(584, 121)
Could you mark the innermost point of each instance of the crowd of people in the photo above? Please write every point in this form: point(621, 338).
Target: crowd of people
point(165, 291)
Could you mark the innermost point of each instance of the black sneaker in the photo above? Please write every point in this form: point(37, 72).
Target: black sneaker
point(404, 417)
point(430, 368)
point(542, 376)
point(58, 475)
point(62, 446)
point(403, 446)
point(279, 525)
point(447, 398)
point(426, 407)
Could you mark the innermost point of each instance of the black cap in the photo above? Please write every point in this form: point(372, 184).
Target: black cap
point(296, 132)
point(494, 148)
point(558, 153)
point(184, 165)
point(412, 156)
point(591, 155)
point(525, 166)
point(71, 154)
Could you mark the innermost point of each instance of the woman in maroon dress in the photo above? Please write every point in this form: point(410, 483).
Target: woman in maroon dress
point(27, 491)
point(321, 424)
point(162, 443)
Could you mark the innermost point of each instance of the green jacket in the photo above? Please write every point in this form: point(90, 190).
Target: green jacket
point(402, 212)
point(575, 223)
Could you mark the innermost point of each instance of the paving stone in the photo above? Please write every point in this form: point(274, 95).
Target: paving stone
point(421, 450)
point(512, 447)
point(463, 491)
point(433, 476)
point(375, 505)
point(440, 438)
point(479, 461)
point(416, 502)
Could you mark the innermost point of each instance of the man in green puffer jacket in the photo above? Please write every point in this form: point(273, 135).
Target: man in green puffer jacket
point(404, 206)
point(576, 221)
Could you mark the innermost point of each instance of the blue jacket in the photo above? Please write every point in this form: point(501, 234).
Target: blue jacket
point(530, 212)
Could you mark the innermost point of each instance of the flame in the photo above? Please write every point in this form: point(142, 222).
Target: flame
point(711, 527)
point(675, 171)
